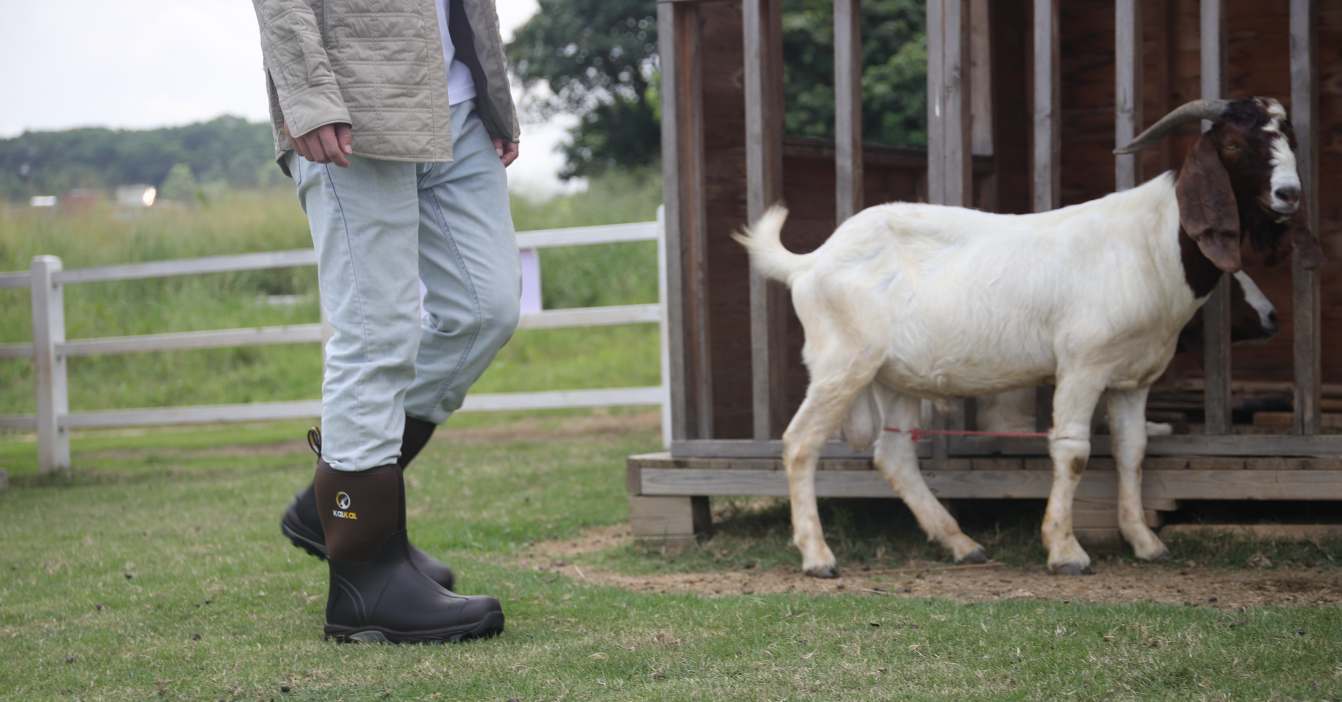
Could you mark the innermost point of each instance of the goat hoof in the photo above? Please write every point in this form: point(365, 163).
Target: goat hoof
point(1071, 569)
point(978, 555)
point(823, 572)
point(1162, 555)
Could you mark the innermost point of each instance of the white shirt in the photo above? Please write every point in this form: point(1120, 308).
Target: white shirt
point(460, 85)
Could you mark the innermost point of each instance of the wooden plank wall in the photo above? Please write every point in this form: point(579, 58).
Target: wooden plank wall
point(679, 36)
point(1259, 63)
point(725, 198)
point(809, 187)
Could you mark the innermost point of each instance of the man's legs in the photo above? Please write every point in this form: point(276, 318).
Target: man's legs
point(365, 227)
point(468, 263)
point(364, 222)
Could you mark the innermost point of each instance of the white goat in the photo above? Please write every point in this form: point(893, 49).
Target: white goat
point(926, 301)
point(1253, 317)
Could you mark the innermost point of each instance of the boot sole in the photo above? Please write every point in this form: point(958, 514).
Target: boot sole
point(297, 538)
point(490, 625)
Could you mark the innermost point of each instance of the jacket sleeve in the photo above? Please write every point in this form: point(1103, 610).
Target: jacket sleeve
point(296, 61)
point(489, 45)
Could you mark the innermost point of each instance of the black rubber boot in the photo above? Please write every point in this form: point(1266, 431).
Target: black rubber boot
point(376, 594)
point(303, 526)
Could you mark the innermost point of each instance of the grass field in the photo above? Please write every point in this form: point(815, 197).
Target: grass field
point(157, 571)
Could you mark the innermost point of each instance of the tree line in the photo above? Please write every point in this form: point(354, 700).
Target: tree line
point(226, 151)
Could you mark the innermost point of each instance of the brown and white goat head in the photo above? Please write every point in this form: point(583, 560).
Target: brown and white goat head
point(1238, 181)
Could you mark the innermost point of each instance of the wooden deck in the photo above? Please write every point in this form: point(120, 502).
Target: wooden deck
point(669, 494)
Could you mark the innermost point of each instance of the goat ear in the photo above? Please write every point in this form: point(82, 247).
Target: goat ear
point(1304, 240)
point(1207, 208)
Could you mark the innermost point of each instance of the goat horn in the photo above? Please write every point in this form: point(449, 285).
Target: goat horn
point(1187, 112)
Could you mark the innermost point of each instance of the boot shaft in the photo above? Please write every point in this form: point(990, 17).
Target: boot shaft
point(360, 511)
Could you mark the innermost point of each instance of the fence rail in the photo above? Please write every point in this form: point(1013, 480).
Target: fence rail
point(49, 348)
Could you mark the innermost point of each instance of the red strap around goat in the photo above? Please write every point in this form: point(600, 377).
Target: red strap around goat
point(917, 434)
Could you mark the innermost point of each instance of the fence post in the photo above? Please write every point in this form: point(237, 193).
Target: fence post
point(663, 340)
point(53, 401)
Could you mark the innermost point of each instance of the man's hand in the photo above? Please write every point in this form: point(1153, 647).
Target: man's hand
point(329, 143)
point(507, 151)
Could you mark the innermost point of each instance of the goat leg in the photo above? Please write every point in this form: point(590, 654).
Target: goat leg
point(1127, 425)
point(1069, 446)
point(897, 458)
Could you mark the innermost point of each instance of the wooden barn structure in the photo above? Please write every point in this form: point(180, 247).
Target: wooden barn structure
point(1027, 99)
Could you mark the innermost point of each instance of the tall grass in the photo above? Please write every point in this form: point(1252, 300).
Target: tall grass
point(241, 222)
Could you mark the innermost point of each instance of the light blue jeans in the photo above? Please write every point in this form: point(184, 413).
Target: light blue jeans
point(399, 347)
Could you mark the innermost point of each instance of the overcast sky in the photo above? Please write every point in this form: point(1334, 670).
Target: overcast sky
point(149, 63)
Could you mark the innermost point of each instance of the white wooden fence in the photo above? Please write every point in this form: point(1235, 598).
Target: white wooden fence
point(49, 348)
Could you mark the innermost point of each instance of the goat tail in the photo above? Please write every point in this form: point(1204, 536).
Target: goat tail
point(768, 256)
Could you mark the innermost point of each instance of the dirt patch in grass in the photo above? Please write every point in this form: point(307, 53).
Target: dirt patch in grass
point(1113, 582)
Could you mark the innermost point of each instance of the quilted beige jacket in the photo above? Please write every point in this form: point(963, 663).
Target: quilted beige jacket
point(378, 66)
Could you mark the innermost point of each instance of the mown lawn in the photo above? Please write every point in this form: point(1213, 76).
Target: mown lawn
point(157, 571)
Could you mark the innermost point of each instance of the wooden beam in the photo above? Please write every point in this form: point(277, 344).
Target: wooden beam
point(1216, 312)
point(1322, 445)
point(980, 70)
point(949, 147)
point(686, 219)
point(1047, 108)
point(959, 127)
point(669, 521)
point(936, 177)
point(763, 40)
point(847, 109)
point(1127, 88)
point(1305, 283)
point(192, 266)
point(950, 144)
point(1003, 484)
point(982, 115)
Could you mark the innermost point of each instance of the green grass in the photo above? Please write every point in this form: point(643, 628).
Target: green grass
point(157, 571)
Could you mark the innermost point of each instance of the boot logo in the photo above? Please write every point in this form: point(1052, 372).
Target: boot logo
point(342, 503)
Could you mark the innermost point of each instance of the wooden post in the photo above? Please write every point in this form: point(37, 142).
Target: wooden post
point(982, 116)
point(1305, 283)
point(847, 109)
point(663, 332)
point(949, 176)
point(949, 146)
point(53, 402)
point(673, 522)
point(1046, 174)
point(1216, 312)
point(1127, 88)
point(763, 42)
point(936, 179)
point(678, 27)
point(957, 147)
point(1047, 130)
